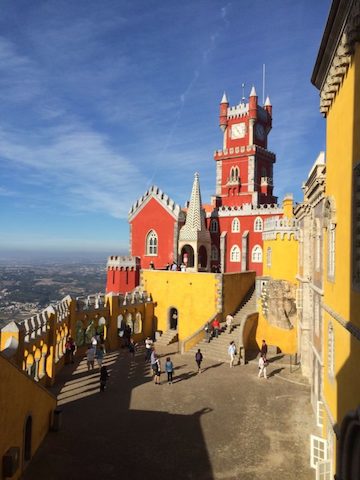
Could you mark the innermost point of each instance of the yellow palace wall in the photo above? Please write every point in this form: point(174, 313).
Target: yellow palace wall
point(342, 390)
point(20, 397)
point(194, 295)
point(284, 254)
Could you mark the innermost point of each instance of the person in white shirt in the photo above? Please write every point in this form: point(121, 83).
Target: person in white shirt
point(232, 353)
point(262, 366)
point(229, 321)
point(148, 348)
point(90, 357)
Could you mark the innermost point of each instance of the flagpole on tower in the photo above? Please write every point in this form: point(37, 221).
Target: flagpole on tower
point(243, 92)
point(263, 96)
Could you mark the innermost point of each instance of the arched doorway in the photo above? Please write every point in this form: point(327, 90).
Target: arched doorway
point(202, 257)
point(27, 438)
point(173, 318)
point(187, 255)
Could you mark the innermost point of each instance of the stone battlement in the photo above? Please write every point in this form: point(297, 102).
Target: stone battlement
point(238, 111)
point(285, 227)
point(248, 149)
point(116, 262)
point(246, 209)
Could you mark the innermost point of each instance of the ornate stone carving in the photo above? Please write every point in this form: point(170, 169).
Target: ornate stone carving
point(278, 303)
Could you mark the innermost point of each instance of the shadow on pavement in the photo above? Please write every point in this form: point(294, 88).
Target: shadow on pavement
point(101, 438)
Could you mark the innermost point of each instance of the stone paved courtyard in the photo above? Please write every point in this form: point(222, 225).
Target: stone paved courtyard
point(222, 424)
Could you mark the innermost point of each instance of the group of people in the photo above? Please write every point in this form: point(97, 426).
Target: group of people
point(174, 267)
point(212, 329)
point(96, 351)
point(156, 365)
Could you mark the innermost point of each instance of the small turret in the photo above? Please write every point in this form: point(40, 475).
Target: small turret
point(224, 105)
point(268, 106)
point(253, 101)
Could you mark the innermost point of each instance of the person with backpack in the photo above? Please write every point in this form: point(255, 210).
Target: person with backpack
point(169, 368)
point(232, 353)
point(198, 359)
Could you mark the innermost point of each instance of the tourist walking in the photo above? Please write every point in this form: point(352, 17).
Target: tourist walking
point(264, 348)
point(157, 371)
point(103, 378)
point(99, 356)
point(229, 322)
point(232, 353)
point(169, 368)
point(90, 357)
point(207, 332)
point(69, 350)
point(198, 359)
point(262, 366)
point(132, 347)
point(94, 342)
point(156, 367)
point(216, 327)
point(148, 348)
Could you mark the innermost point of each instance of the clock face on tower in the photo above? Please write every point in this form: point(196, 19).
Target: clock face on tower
point(238, 130)
point(260, 131)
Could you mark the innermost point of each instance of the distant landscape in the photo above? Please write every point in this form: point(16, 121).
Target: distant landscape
point(27, 287)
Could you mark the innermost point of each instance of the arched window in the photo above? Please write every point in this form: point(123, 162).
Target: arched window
point(152, 243)
point(256, 254)
point(317, 316)
point(268, 257)
point(236, 173)
point(258, 224)
point(331, 351)
point(331, 250)
point(317, 245)
point(235, 254)
point(214, 226)
point(235, 226)
point(263, 172)
point(214, 253)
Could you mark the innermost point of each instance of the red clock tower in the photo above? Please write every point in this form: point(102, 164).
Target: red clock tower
point(244, 166)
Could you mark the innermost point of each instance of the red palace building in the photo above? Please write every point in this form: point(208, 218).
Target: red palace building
point(225, 235)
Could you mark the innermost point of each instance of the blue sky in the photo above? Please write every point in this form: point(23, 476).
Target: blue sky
point(99, 100)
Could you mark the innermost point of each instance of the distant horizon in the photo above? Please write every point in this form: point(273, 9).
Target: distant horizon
point(35, 256)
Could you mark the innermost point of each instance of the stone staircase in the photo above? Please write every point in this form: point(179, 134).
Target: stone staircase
point(170, 336)
point(217, 348)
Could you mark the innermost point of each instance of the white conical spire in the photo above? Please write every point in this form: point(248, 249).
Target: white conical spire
point(267, 102)
point(194, 217)
point(253, 92)
point(224, 99)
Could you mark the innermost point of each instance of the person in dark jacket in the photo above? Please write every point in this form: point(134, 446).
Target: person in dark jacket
point(103, 378)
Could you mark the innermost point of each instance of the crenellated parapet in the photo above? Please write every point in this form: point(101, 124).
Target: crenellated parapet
point(248, 149)
point(238, 111)
point(284, 227)
point(115, 262)
point(38, 344)
point(246, 209)
point(96, 301)
point(136, 297)
point(160, 196)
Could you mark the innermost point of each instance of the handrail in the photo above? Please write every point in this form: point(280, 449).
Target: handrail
point(199, 332)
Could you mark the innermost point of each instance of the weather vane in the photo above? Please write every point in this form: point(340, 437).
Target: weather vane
point(243, 91)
